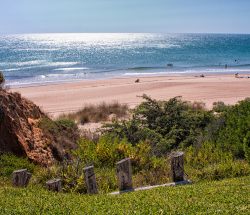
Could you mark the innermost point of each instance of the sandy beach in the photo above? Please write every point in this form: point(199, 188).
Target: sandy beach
point(65, 97)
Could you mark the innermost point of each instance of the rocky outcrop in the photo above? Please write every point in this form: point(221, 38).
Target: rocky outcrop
point(21, 134)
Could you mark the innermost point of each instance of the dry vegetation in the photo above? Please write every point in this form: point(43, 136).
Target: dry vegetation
point(98, 113)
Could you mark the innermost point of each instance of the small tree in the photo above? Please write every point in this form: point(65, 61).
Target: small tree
point(2, 80)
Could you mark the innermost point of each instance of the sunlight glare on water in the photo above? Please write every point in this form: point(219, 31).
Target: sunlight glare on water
point(41, 58)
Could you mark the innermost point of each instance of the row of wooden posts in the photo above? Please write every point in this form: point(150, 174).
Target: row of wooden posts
point(21, 178)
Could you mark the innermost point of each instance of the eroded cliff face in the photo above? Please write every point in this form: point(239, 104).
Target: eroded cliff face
point(21, 134)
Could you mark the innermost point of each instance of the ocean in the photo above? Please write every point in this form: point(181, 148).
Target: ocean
point(31, 59)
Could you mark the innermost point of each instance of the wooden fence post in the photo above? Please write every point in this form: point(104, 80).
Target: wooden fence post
point(21, 178)
point(124, 174)
point(54, 185)
point(90, 180)
point(177, 166)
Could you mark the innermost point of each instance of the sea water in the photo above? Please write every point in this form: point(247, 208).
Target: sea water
point(31, 59)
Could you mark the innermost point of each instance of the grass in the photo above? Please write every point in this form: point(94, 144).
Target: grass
point(97, 113)
point(10, 163)
point(230, 196)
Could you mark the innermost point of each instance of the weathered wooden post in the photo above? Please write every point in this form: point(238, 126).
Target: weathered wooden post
point(90, 180)
point(54, 185)
point(124, 175)
point(21, 178)
point(177, 166)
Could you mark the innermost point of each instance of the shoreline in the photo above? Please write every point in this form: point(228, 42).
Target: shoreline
point(144, 75)
point(59, 98)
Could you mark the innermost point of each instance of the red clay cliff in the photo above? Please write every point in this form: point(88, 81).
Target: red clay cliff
point(21, 134)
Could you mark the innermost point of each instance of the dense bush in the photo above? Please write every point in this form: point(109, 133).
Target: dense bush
point(234, 129)
point(206, 154)
point(213, 163)
point(108, 150)
point(166, 125)
point(147, 168)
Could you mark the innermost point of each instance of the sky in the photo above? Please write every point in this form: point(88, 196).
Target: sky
point(161, 16)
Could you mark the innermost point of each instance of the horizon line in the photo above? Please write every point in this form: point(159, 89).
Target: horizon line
point(232, 33)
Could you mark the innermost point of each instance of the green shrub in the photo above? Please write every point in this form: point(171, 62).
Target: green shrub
point(72, 176)
point(48, 125)
point(104, 154)
point(43, 174)
point(213, 163)
point(66, 123)
point(106, 179)
point(206, 154)
point(236, 127)
point(57, 126)
point(71, 173)
point(220, 107)
point(166, 125)
point(218, 171)
point(10, 163)
point(108, 150)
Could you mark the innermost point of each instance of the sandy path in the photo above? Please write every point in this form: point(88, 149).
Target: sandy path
point(58, 98)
